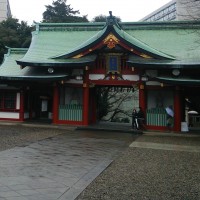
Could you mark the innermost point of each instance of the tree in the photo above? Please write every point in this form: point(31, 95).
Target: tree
point(14, 34)
point(111, 103)
point(102, 99)
point(188, 9)
point(59, 11)
point(103, 18)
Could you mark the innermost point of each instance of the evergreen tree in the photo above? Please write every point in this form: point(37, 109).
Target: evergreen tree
point(14, 34)
point(103, 18)
point(60, 12)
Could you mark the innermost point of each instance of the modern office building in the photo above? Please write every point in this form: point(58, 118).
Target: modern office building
point(167, 12)
point(5, 11)
point(175, 10)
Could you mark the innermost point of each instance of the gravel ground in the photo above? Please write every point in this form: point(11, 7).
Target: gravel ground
point(148, 174)
point(12, 136)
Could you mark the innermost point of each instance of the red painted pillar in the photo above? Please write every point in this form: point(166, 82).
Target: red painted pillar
point(177, 110)
point(21, 112)
point(86, 97)
point(142, 97)
point(55, 104)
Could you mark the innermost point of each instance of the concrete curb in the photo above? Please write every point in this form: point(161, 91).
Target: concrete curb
point(79, 186)
point(37, 125)
point(171, 147)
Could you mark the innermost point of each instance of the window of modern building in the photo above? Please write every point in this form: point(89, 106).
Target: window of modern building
point(153, 18)
point(166, 17)
point(165, 11)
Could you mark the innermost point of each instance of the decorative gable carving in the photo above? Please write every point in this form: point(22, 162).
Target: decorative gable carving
point(111, 41)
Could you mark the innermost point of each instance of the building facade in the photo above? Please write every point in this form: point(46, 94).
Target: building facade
point(167, 12)
point(67, 66)
point(5, 10)
point(175, 10)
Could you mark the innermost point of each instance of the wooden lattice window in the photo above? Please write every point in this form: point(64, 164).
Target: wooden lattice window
point(101, 63)
point(124, 65)
point(7, 100)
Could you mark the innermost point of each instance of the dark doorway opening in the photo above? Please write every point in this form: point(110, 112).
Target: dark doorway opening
point(41, 106)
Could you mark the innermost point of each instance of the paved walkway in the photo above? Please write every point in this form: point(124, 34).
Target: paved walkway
point(58, 168)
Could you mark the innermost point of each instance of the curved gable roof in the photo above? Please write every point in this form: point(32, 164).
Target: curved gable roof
point(64, 44)
point(115, 29)
point(140, 45)
point(50, 40)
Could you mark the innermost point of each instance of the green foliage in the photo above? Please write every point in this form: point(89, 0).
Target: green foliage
point(60, 12)
point(14, 34)
point(125, 120)
point(103, 18)
point(110, 103)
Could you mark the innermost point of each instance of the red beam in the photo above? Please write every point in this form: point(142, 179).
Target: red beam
point(113, 82)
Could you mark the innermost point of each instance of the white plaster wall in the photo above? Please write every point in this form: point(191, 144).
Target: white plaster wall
point(102, 76)
point(9, 115)
point(96, 76)
point(131, 77)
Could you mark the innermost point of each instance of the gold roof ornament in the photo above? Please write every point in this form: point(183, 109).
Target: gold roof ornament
point(111, 41)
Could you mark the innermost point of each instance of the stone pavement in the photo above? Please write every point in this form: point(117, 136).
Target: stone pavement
point(60, 167)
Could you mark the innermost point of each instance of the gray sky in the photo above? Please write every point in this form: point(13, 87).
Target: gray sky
point(127, 10)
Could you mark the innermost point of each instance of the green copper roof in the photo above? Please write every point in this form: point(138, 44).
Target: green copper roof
point(179, 81)
point(9, 70)
point(50, 40)
point(9, 66)
point(71, 62)
point(140, 45)
point(173, 42)
point(180, 39)
point(120, 34)
point(162, 63)
point(85, 45)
